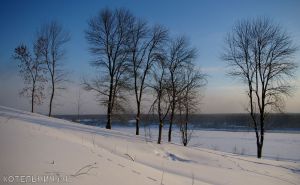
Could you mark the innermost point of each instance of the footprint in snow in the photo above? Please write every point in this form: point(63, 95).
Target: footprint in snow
point(121, 165)
point(151, 178)
point(136, 172)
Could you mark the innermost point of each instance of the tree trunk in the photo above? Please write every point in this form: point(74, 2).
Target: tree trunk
point(259, 144)
point(109, 105)
point(259, 150)
point(50, 105)
point(262, 132)
point(182, 136)
point(32, 96)
point(51, 100)
point(137, 132)
point(108, 124)
point(171, 120)
point(186, 123)
point(32, 104)
point(160, 132)
point(109, 111)
point(186, 134)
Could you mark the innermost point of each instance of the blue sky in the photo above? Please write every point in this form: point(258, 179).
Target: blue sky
point(205, 23)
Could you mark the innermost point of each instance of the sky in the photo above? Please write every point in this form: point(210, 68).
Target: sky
point(205, 23)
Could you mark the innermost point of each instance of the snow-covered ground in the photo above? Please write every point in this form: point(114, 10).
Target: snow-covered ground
point(278, 146)
point(33, 145)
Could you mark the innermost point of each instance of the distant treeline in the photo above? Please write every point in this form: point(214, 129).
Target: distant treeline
point(220, 121)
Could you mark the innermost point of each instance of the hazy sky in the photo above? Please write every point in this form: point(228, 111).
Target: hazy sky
point(206, 23)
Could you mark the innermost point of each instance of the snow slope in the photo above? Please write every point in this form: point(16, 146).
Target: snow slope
point(35, 145)
point(277, 145)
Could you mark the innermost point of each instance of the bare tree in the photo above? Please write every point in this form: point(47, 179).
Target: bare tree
point(261, 54)
point(54, 38)
point(179, 57)
point(161, 104)
point(189, 99)
point(108, 36)
point(144, 44)
point(32, 70)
